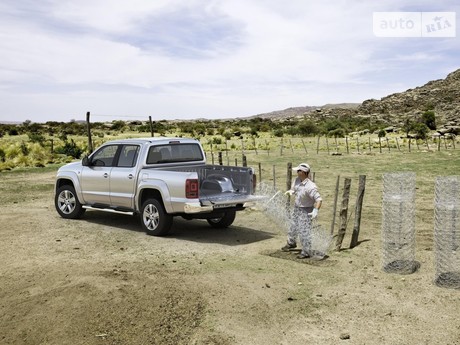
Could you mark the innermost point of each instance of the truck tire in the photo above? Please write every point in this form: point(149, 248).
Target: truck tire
point(67, 203)
point(223, 222)
point(155, 221)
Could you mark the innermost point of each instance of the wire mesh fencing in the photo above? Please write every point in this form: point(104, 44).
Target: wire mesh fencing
point(277, 207)
point(398, 223)
point(447, 231)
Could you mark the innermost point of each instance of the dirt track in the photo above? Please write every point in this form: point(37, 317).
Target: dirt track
point(100, 280)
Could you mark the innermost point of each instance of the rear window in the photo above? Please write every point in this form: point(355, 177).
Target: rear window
point(172, 153)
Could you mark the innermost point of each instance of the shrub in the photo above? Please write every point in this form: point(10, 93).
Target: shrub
point(24, 149)
point(36, 138)
point(429, 119)
point(337, 133)
point(278, 133)
point(70, 149)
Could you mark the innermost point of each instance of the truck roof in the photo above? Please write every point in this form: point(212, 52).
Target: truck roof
point(158, 140)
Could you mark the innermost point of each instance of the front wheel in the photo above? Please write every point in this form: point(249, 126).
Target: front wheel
point(155, 220)
point(67, 204)
point(222, 222)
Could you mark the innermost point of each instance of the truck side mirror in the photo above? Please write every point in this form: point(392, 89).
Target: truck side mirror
point(85, 161)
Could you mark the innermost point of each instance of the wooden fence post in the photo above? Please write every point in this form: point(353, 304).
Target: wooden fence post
point(288, 182)
point(88, 128)
point(304, 147)
point(260, 172)
point(380, 144)
point(151, 126)
point(336, 196)
point(343, 214)
point(346, 141)
point(289, 176)
point(245, 163)
point(220, 158)
point(358, 208)
point(274, 177)
point(317, 145)
point(397, 143)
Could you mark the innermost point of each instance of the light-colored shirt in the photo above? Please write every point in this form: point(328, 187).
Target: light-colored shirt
point(306, 193)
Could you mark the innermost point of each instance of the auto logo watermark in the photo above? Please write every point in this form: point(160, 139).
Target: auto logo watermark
point(414, 24)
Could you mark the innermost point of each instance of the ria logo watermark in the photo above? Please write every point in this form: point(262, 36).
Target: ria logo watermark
point(414, 24)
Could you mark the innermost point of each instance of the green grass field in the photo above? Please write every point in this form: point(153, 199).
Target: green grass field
point(269, 156)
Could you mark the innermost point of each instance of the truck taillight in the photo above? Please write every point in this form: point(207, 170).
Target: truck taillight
point(191, 188)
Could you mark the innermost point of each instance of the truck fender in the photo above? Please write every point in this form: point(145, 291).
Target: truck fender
point(156, 185)
point(70, 178)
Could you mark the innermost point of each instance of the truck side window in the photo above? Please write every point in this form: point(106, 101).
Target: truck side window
point(128, 156)
point(104, 156)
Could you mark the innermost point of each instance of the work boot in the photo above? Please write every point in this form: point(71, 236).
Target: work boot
point(303, 255)
point(288, 247)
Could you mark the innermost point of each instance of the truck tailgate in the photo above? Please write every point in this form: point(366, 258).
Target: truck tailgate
point(228, 199)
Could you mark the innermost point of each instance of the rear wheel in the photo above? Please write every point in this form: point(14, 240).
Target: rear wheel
point(155, 221)
point(67, 204)
point(222, 222)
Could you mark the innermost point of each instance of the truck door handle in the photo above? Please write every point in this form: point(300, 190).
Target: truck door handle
point(130, 176)
point(106, 175)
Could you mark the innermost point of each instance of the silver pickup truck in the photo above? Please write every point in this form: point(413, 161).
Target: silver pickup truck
point(157, 178)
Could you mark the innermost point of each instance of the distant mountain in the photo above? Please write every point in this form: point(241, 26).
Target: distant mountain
point(441, 96)
point(303, 111)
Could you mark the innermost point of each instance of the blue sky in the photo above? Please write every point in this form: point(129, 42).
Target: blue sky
point(214, 59)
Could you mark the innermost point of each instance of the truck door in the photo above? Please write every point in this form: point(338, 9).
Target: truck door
point(95, 178)
point(123, 177)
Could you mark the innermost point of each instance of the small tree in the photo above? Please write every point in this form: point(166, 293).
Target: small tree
point(421, 130)
point(429, 119)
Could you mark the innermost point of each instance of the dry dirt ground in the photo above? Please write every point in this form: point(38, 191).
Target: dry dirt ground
point(100, 280)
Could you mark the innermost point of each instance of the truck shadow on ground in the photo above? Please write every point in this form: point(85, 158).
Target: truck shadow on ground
point(196, 230)
point(200, 231)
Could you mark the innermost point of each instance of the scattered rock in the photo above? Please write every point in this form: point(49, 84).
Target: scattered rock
point(344, 336)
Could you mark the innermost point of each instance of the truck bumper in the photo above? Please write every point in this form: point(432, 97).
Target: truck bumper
point(196, 207)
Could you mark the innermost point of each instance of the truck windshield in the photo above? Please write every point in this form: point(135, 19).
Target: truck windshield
point(173, 153)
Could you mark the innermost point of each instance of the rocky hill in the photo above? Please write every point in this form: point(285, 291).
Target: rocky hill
point(441, 96)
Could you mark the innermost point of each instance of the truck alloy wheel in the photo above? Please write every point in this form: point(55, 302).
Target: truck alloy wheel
point(155, 220)
point(67, 204)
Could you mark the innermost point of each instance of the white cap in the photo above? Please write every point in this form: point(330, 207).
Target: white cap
point(302, 166)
